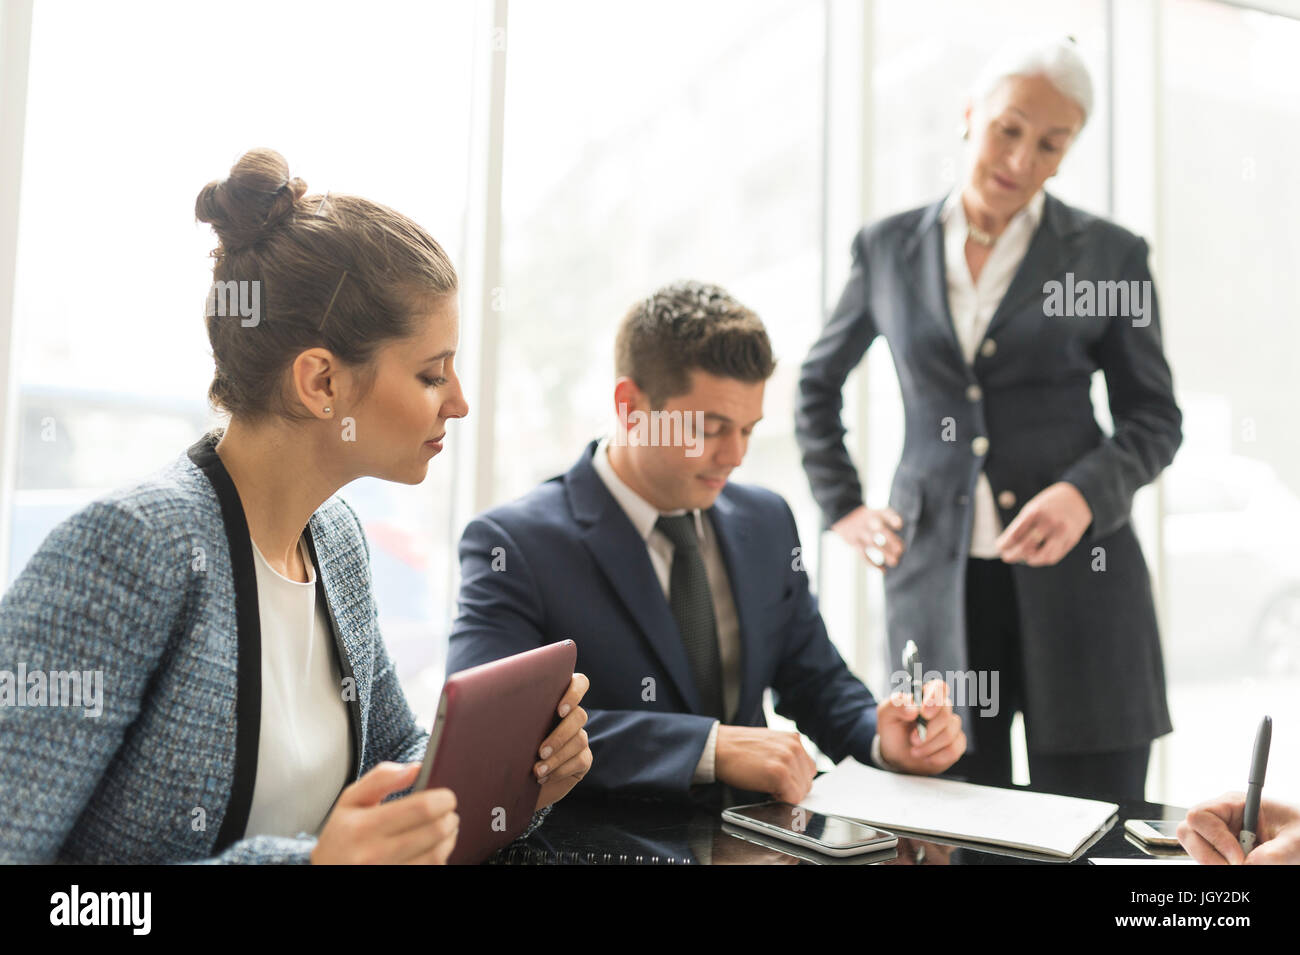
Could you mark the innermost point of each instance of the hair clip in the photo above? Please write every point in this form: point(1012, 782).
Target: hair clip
point(332, 298)
point(321, 206)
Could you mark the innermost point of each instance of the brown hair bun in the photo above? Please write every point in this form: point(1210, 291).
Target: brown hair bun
point(252, 201)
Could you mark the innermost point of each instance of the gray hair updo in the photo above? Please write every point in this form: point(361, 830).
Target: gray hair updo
point(1056, 59)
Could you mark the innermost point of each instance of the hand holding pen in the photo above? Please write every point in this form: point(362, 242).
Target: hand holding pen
point(919, 732)
point(1210, 833)
point(1244, 827)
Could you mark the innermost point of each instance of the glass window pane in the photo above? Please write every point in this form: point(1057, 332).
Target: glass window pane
point(132, 108)
point(1228, 247)
point(664, 174)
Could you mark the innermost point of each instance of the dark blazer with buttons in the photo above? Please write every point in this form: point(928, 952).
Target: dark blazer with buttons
point(1094, 677)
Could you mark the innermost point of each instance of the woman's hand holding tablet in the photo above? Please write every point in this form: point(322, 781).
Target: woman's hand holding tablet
point(564, 755)
point(420, 828)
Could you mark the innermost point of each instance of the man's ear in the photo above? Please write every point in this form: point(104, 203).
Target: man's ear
point(628, 397)
point(315, 380)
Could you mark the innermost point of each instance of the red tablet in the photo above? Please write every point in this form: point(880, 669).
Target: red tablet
point(491, 721)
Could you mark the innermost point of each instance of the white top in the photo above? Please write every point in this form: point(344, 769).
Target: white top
point(304, 747)
point(643, 516)
point(972, 305)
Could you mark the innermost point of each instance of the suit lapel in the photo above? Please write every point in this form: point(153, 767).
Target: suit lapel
point(248, 629)
point(924, 255)
point(1047, 254)
point(623, 559)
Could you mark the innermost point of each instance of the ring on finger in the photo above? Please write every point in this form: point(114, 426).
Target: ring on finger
point(878, 539)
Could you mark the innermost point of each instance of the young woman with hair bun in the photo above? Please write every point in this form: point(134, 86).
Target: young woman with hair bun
point(250, 712)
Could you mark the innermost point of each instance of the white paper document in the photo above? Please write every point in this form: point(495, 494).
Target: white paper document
point(1037, 822)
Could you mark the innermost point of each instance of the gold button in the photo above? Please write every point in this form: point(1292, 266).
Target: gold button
point(973, 393)
point(980, 446)
point(1006, 500)
point(988, 348)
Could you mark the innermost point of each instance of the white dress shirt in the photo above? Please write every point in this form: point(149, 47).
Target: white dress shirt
point(304, 747)
point(644, 516)
point(972, 305)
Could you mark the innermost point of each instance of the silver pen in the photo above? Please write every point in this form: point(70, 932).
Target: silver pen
point(912, 664)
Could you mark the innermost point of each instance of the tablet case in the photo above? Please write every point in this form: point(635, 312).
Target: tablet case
point(491, 722)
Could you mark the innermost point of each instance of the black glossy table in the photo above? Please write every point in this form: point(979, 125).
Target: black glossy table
point(608, 831)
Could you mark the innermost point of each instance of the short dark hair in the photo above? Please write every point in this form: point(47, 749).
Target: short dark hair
point(688, 325)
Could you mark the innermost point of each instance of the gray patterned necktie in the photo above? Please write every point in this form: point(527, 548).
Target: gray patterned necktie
point(692, 606)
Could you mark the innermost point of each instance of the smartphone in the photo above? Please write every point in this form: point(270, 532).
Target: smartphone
point(833, 835)
point(811, 856)
point(1154, 832)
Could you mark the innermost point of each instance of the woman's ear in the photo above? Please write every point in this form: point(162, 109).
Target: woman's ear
point(315, 381)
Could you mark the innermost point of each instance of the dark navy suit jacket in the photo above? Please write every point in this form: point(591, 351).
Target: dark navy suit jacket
point(565, 562)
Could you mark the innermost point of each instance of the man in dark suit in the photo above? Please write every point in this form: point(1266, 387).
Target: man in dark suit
point(686, 595)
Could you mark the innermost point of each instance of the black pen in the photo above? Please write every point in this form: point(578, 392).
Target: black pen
point(912, 664)
point(1258, 764)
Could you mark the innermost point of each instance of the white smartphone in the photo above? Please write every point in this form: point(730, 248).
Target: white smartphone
point(833, 835)
point(1154, 832)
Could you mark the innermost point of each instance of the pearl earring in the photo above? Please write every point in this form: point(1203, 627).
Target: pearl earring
point(326, 409)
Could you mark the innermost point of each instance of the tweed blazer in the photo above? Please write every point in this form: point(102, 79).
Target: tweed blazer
point(154, 588)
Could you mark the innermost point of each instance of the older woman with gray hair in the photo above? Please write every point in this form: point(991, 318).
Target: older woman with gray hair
point(1007, 546)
